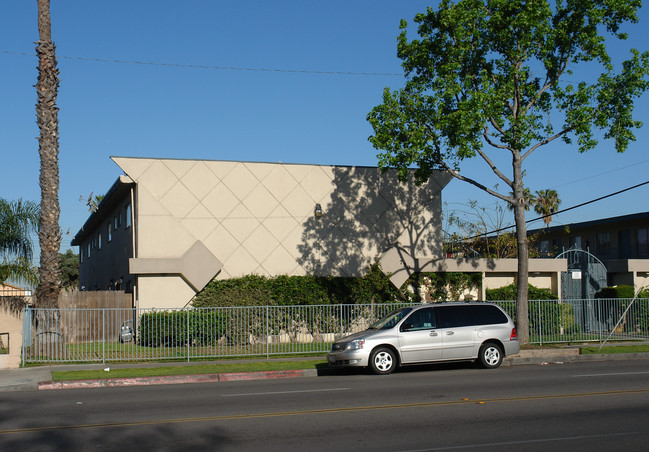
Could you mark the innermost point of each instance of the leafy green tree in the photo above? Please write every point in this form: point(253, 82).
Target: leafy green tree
point(18, 221)
point(69, 270)
point(491, 78)
point(546, 202)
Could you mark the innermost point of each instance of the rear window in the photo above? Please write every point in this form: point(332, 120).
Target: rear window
point(487, 315)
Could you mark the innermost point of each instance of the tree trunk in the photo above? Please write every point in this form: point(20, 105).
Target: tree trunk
point(48, 328)
point(522, 316)
point(522, 311)
point(48, 147)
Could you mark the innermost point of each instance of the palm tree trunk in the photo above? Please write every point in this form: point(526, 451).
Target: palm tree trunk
point(48, 328)
point(47, 118)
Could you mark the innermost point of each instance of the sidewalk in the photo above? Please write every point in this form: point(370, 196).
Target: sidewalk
point(40, 378)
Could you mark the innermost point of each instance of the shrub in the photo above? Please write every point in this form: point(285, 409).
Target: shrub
point(620, 291)
point(611, 311)
point(251, 290)
point(177, 328)
point(284, 290)
point(509, 292)
point(298, 290)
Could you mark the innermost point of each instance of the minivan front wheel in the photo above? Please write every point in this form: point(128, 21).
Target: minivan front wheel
point(491, 356)
point(383, 361)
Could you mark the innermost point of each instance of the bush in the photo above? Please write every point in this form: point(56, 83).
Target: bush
point(622, 295)
point(255, 290)
point(509, 292)
point(620, 291)
point(177, 328)
point(251, 290)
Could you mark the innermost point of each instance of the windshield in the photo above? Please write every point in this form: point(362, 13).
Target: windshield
point(390, 320)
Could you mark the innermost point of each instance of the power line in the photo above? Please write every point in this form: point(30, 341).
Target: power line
point(222, 68)
point(600, 174)
point(560, 211)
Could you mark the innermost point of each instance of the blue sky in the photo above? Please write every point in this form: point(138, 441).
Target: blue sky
point(205, 113)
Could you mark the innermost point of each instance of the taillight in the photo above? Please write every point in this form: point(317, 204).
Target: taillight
point(514, 335)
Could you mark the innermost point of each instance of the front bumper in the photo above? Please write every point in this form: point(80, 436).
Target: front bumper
point(348, 358)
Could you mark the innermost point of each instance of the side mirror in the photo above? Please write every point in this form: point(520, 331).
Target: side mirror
point(407, 327)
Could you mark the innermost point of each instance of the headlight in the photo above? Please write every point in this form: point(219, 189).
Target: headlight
point(356, 344)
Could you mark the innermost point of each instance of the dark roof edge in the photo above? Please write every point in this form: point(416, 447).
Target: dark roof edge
point(586, 224)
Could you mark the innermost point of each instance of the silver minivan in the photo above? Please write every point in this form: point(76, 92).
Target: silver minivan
point(430, 333)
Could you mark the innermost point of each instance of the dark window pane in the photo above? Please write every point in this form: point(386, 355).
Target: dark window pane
point(453, 316)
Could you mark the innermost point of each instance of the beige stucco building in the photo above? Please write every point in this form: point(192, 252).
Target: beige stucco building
point(12, 302)
point(189, 221)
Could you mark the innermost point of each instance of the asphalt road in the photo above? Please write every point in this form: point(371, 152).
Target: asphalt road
point(581, 406)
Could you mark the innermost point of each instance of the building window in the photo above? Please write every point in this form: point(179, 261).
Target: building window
point(81, 255)
point(88, 251)
point(544, 248)
point(99, 240)
point(116, 222)
point(643, 242)
point(575, 242)
point(603, 244)
point(128, 215)
point(109, 232)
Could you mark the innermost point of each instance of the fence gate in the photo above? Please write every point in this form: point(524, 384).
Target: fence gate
point(585, 277)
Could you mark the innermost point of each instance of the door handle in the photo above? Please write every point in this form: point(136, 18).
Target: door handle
point(450, 333)
point(433, 333)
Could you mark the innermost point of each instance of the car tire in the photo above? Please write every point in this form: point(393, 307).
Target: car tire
point(491, 355)
point(383, 361)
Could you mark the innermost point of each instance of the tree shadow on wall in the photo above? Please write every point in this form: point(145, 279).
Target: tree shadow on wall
point(366, 213)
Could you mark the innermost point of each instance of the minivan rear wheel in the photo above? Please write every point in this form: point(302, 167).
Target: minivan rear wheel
point(491, 356)
point(383, 361)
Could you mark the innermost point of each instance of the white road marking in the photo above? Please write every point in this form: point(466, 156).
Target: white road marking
point(611, 374)
point(530, 441)
point(283, 392)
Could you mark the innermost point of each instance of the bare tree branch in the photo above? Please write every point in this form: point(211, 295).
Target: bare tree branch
point(477, 184)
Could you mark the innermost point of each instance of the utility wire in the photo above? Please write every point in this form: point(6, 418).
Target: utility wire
point(600, 174)
point(222, 68)
point(560, 211)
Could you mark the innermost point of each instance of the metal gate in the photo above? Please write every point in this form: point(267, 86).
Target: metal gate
point(585, 277)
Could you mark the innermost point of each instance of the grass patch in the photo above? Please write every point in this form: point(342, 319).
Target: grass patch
point(89, 352)
point(185, 370)
point(616, 349)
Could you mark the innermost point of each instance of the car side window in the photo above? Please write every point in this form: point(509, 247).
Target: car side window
point(422, 319)
point(454, 316)
point(487, 315)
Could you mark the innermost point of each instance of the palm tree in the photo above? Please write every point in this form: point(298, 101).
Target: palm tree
point(49, 235)
point(18, 220)
point(546, 202)
point(528, 200)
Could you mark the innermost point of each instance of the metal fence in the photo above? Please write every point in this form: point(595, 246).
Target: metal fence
point(555, 321)
point(103, 335)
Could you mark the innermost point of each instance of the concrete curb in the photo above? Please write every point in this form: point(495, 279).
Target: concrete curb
point(175, 379)
point(572, 358)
